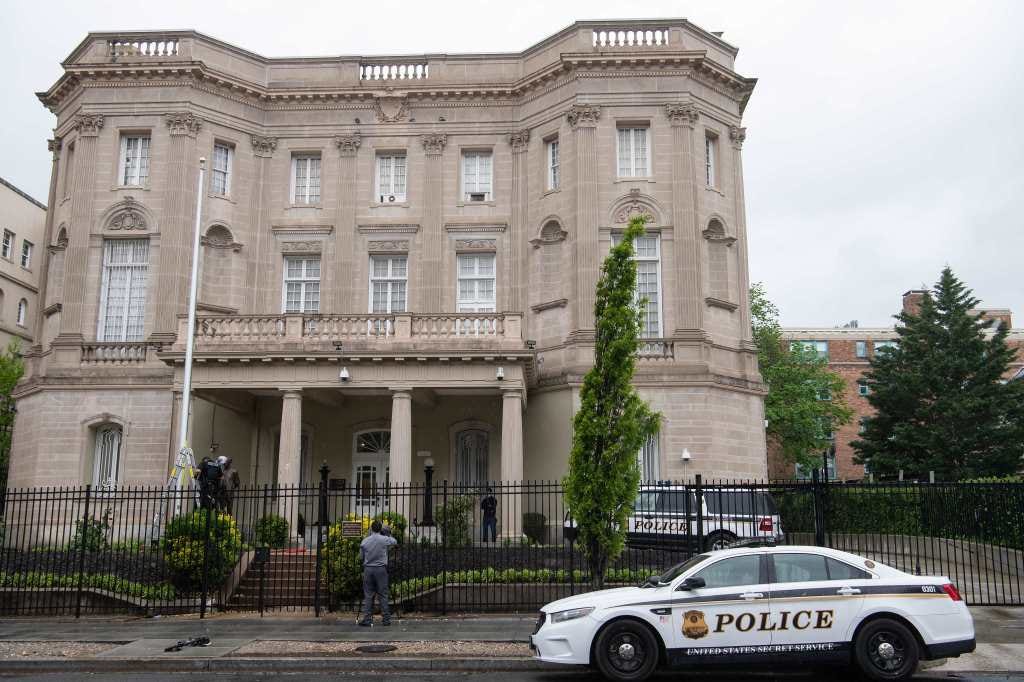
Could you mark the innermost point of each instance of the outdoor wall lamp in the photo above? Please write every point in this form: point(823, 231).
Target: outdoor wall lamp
point(343, 374)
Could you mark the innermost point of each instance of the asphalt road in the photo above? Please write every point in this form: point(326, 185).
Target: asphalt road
point(491, 677)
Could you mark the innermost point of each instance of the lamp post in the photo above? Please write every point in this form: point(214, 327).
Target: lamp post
point(428, 493)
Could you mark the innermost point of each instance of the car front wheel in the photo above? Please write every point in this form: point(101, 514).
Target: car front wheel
point(626, 651)
point(886, 650)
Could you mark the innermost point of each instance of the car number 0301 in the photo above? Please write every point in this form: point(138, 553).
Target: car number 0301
point(929, 588)
point(659, 525)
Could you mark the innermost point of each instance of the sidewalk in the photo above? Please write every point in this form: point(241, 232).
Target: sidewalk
point(285, 643)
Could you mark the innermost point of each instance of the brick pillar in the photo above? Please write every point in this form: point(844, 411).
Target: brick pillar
point(345, 224)
point(176, 225)
point(583, 118)
point(431, 296)
point(689, 304)
point(520, 142)
point(400, 460)
point(262, 150)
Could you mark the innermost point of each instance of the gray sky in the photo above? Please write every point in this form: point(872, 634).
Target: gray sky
point(884, 138)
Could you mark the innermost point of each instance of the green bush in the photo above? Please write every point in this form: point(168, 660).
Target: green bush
point(341, 567)
point(90, 535)
point(535, 527)
point(184, 546)
point(396, 522)
point(454, 521)
point(272, 531)
point(100, 581)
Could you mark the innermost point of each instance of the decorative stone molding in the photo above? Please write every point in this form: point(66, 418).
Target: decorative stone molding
point(301, 230)
point(388, 246)
point(682, 114)
point(583, 115)
point(127, 216)
point(520, 141)
point(183, 123)
point(61, 242)
point(488, 245)
point(738, 135)
point(433, 143)
point(263, 146)
point(719, 303)
point(309, 246)
point(457, 228)
point(391, 109)
point(53, 146)
point(219, 237)
point(549, 305)
point(634, 208)
point(348, 145)
point(388, 229)
point(718, 238)
point(88, 125)
point(52, 309)
point(551, 233)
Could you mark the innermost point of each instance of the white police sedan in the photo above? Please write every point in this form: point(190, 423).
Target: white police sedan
point(761, 605)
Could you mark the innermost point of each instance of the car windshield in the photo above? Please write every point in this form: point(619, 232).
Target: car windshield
point(677, 570)
point(646, 501)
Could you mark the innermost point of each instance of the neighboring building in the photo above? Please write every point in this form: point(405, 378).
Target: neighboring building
point(849, 349)
point(22, 220)
point(399, 257)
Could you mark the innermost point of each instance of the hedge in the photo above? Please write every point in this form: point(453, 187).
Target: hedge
point(99, 581)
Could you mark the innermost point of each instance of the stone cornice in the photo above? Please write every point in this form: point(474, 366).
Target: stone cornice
point(385, 228)
point(456, 228)
point(291, 230)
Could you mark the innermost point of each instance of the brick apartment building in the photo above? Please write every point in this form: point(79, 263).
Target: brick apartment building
point(849, 350)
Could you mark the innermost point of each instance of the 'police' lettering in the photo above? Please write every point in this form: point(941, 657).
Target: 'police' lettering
point(723, 620)
point(796, 620)
point(762, 621)
point(824, 620)
point(745, 622)
point(765, 626)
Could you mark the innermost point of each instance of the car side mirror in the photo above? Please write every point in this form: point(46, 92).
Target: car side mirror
point(654, 581)
point(692, 584)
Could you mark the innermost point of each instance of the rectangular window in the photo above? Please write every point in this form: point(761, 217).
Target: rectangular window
point(881, 345)
point(391, 177)
point(862, 349)
point(22, 312)
point(223, 157)
point(69, 169)
point(819, 348)
point(649, 461)
point(824, 394)
point(476, 283)
point(634, 155)
point(306, 179)
point(123, 290)
point(134, 160)
point(477, 176)
point(862, 429)
point(26, 254)
point(388, 279)
point(8, 245)
point(302, 284)
point(711, 160)
point(863, 388)
point(553, 169)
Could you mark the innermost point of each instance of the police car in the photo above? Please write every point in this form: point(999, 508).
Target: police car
point(761, 604)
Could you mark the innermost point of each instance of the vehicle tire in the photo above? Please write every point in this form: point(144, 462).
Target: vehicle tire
point(886, 650)
point(720, 539)
point(626, 651)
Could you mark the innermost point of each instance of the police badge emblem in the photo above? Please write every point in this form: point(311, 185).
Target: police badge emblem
point(694, 626)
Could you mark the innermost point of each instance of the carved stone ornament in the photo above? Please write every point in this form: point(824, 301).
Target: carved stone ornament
point(128, 217)
point(88, 125)
point(348, 145)
point(263, 146)
point(519, 140)
point(634, 208)
point(433, 143)
point(388, 245)
point(682, 114)
point(476, 245)
point(583, 115)
point(302, 247)
point(54, 146)
point(738, 136)
point(391, 109)
point(183, 123)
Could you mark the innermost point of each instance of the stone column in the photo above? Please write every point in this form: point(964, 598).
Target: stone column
point(689, 304)
point(54, 146)
point(512, 462)
point(518, 236)
point(176, 226)
point(76, 257)
point(262, 150)
point(289, 459)
point(345, 225)
point(431, 277)
point(583, 119)
point(738, 135)
point(400, 460)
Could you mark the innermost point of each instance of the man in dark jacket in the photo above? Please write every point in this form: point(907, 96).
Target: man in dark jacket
point(373, 553)
point(489, 507)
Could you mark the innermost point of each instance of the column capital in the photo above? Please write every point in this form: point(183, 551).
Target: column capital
point(263, 146)
point(738, 135)
point(348, 145)
point(512, 393)
point(291, 392)
point(88, 125)
point(583, 115)
point(401, 393)
point(183, 123)
point(520, 140)
point(680, 114)
point(433, 143)
point(54, 147)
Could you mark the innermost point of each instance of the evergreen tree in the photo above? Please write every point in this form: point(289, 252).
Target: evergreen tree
point(941, 404)
point(11, 369)
point(613, 422)
point(805, 398)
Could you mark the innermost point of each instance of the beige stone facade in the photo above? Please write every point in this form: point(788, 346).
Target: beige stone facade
point(475, 195)
point(22, 221)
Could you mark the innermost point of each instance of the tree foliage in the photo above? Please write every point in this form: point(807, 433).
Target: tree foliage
point(939, 397)
point(613, 422)
point(11, 369)
point(805, 399)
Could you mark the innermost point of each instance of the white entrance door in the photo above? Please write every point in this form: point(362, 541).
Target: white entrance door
point(370, 472)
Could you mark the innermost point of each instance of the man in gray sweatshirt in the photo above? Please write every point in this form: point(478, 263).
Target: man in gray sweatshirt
point(373, 552)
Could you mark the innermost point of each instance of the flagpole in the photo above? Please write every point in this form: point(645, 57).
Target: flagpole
point(186, 386)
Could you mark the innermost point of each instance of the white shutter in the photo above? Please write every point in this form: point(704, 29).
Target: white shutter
point(469, 174)
point(383, 177)
point(398, 183)
point(640, 152)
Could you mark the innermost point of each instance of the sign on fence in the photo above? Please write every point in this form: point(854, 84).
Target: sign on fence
point(351, 529)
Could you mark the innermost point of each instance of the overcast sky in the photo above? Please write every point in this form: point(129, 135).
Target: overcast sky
point(884, 139)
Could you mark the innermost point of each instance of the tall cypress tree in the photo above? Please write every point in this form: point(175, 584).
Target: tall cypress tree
point(613, 422)
point(940, 400)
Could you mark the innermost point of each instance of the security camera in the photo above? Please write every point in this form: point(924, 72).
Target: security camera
point(343, 374)
point(500, 375)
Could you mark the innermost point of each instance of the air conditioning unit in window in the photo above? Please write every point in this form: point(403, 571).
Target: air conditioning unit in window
point(477, 196)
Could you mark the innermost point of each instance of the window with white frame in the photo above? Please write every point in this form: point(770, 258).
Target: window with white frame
point(819, 348)
point(8, 244)
point(862, 349)
point(863, 388)
point(711, 160)
point(392, 172)
point(123, 290)
point(306, 179)
point(26, 254)
point(223, 159)
point(884, 346)
point(477, 176)
point(388, 280)
point(649, 459)
point(106, 456)
point(476, 283)
point(647, 254)
point(22, 312)
point(134, 160)
point(634, 152)
point(554, 171)
point(302, 284)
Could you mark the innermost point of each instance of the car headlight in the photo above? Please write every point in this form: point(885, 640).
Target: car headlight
point(571, 614)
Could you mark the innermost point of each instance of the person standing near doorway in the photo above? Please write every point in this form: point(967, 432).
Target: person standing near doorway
point(373, 552)
point(489, 506)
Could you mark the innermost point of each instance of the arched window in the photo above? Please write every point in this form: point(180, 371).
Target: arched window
point(472, 450)
point(106, 455)
point(719, 257)
point(22, 312)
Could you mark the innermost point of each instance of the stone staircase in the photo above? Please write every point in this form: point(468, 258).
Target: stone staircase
point(289, 580)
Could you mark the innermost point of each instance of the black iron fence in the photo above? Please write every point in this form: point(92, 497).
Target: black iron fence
point(464, 548)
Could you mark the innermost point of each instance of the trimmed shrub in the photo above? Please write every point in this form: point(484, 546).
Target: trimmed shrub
point(184, 547)
point(454, 521)
point(341, 568)
point(100, 581)
point(535, 527)
point(272, 531)
point(90, 535)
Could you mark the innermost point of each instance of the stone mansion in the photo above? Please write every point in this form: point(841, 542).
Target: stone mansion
point(399, 257)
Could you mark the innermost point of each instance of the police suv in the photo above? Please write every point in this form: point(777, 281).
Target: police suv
point(761, 605)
